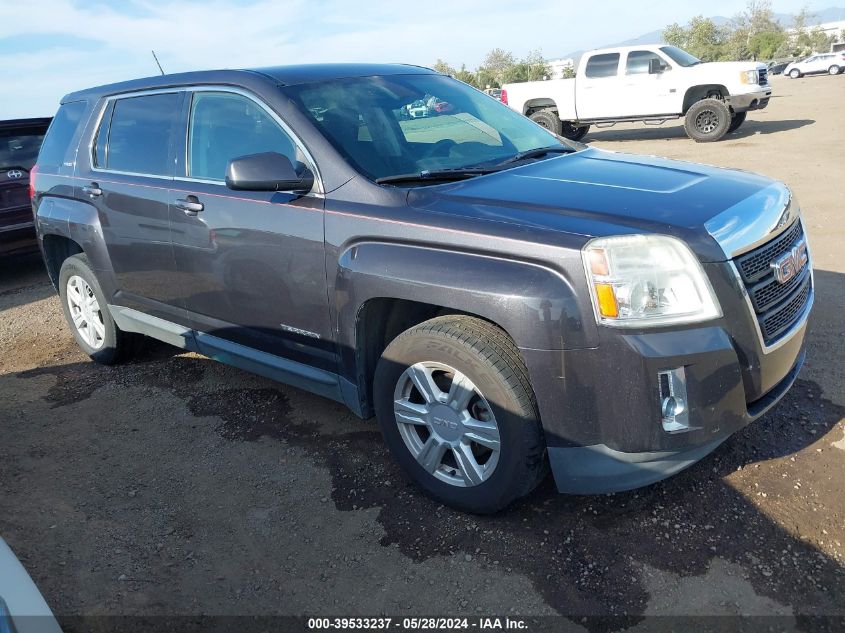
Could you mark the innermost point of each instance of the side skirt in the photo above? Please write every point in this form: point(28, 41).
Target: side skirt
point(318, 381)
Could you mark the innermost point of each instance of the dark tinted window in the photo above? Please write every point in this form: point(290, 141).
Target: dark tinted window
point(225, 126)
point(59, 136)
point(139, 135)
point(604, 65)
point(638, 62)
point(19, 148)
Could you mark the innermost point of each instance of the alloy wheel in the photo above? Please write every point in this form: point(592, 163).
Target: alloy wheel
point(447, 424)
point(706, 121)
point(85, 312)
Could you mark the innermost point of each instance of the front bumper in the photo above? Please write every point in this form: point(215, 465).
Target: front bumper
point(756, 100)
point(601, 407)
point(600, 469)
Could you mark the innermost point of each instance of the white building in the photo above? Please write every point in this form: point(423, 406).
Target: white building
point(558, 66)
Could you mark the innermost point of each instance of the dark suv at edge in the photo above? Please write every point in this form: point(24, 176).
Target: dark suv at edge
point(502, 300)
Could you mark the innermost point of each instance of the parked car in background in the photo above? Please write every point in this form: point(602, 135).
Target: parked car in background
point(502, 300)
point(20, 140)
point(777, 68)
point(496, 93)
point(418, 109)
point(647, 83)
point(830, 63)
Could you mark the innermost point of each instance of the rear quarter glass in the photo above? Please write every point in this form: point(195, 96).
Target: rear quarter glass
point(60, 135)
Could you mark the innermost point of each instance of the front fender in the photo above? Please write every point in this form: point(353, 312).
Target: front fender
point(537, 306)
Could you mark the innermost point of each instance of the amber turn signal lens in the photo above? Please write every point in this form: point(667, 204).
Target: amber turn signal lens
point(607, 301)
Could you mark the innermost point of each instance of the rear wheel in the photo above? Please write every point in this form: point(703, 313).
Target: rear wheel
point(87, 314)
point(795, 73)
point(573, 132)
point(707, 120)
point(834, 70)
point(457, 411)
point(736, 121)
point(547, 119)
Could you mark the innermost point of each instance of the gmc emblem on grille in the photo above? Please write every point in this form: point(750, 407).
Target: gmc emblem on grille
point(790, 263)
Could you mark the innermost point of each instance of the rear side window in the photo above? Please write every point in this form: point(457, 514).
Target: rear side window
point(60, 134)
point(226, 126)
point(605, 65)
point(139, 135)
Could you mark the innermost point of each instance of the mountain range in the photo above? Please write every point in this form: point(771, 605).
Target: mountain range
point(831, 14)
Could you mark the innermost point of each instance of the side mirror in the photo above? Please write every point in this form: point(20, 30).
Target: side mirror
point(268, 171)
point(655, 66)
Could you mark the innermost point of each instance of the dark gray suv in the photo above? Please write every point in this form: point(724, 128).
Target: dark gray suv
point(501, 299)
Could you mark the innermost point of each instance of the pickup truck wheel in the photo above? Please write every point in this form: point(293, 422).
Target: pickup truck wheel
point(833, 70)
point(736, 121)
point(547, 119)
point(457, 411)
point(795, 73)
point(87, 314)
point(572, 132)
point(707, 120)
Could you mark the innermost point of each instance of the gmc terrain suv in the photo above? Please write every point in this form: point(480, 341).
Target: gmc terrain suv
point(20, 140)
point(503, 301)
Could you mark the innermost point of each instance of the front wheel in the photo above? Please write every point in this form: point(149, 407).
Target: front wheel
point(795, 73)
point(457, 411)
point(739, 119)
point(574, 132)
point(833, 70)
point(707, 120)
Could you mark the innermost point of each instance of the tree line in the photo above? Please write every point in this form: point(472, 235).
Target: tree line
point(753, 34)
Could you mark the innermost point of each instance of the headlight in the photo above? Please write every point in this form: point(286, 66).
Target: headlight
point(646, 281)
point(749, 77)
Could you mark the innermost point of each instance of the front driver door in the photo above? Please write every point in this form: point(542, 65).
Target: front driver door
point(251, 263)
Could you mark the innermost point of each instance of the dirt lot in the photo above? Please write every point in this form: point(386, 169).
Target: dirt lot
point(175, 485)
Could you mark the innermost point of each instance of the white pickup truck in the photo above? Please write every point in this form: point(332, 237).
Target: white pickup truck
point(648, 83)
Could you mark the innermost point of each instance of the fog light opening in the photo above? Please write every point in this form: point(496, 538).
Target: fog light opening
point(673, 400)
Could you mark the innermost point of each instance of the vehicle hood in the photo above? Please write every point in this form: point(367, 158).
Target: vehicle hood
point(596, 193)
point(710, 68)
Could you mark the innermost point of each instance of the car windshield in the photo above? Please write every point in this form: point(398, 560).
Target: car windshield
point(406, 124)
point(19, 149)
point(680, 57)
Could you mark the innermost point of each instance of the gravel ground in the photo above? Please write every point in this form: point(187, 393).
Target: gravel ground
point(173, 485)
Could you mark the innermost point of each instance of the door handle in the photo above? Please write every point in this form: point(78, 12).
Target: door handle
point(190, 205)
point(92, 190)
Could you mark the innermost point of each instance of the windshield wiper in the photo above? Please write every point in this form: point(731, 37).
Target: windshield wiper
point(435, 175)
point(537, 152)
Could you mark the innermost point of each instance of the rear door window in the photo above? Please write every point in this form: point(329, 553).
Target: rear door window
point(604, 65)
point(60, 134)
point(140, 134)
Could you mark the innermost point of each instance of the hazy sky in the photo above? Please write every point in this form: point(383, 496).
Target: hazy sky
point(51, 47)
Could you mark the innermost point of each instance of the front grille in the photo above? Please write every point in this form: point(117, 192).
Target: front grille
point(763, 76)
point(777, 306)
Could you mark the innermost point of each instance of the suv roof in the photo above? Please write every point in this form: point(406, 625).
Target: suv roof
point(283, 75)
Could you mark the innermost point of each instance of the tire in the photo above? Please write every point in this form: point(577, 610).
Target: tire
point(498, 393)
point(105, 343)
point(707, 120)
point(547, 119)
point(834, 70)
point(572, 132)
point(795, 73)
point(737, 120)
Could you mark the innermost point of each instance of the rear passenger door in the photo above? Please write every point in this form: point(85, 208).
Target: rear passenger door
point(128, 178)
point(597, 88)
point(251, 263)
